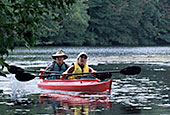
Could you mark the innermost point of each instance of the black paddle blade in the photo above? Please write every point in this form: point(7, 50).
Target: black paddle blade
point(103, 76)
point(133, 70)
point(24, 76)
point(14, 69)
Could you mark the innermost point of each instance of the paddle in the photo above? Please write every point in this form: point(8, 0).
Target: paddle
point(132, 70)
point(15, 70)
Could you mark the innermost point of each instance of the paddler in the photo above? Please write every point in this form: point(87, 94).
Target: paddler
point(57, 65)
point(80, 66)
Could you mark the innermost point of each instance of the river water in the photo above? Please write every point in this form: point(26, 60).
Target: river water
point(144, 94)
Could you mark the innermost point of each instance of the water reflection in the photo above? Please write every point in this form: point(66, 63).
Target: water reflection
point(80, 104)
point(130, 109)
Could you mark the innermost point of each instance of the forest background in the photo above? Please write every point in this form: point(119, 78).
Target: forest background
point(113, 22)
point(83, 23)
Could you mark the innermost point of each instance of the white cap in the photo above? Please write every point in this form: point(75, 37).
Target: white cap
point(82, 53)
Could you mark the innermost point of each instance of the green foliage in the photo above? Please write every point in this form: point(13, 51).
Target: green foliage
point(2, 73)
point(73, 25)
point(92, 22)
point(127, 22)
point(26, 20)
point(113, 22)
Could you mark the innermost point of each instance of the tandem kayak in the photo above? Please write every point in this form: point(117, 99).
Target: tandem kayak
point(78, 85)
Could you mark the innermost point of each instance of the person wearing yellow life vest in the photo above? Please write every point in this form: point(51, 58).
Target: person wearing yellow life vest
point(80, 66)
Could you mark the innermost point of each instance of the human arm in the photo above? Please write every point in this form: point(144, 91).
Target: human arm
point(69, 70)
point(50, 66)
point(92, 70)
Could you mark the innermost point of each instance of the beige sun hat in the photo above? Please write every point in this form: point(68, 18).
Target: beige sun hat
point(59, 53)
point(82, 53)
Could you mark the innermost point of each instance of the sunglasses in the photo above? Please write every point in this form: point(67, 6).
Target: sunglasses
point(85, 57)
point(60, 57)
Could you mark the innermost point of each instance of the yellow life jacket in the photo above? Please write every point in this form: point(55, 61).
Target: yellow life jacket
point(81, 110)
point(77, 69)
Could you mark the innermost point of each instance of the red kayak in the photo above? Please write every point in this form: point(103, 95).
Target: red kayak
point(79, 85)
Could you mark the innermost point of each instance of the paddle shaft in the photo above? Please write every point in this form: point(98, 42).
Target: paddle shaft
point(15, 70)
point(133, 70)
point(126, 71)
point(38, 71)
point(69, 74)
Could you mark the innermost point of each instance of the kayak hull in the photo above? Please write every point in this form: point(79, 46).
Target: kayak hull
point(78, 85)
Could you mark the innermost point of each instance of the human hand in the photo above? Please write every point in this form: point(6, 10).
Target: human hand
point(42, 71)
point(94, 74)
point(64, 75)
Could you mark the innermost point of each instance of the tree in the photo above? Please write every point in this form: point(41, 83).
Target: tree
point(128, 22)
point(26, 20)
point(102, 20)
point(74, 26)
point(164, 26)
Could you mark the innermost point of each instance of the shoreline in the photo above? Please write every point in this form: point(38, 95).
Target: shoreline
point(137, 59)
